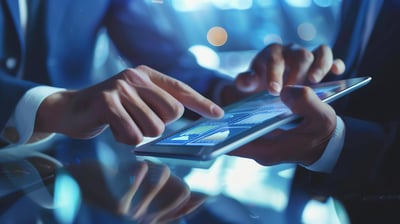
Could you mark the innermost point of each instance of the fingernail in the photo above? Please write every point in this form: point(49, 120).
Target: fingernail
point(314, 78)
point(217, 111)
point(276, 87)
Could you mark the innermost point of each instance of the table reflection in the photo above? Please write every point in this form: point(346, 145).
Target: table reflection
point(101, 181)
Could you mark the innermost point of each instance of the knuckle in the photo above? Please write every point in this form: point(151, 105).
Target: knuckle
point(325, 48)
point(135, 140)
point(157, 130)
point(175, 111)
point(153, 129)
point(119, 83)
point(105, 101)
point(272, 52)
point(274, 57)
point(177, 85)
point(304, 55)
point(324, 53)
point(128, 72)
point(274, 47)
point(132, 139)
point(178, 109)
point(143, 67)
point(135, 77)
point(122, 88)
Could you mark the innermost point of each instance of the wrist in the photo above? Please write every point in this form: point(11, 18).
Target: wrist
point(50, 112)
point(318, 147)
point(332, 150)
point(22, 121)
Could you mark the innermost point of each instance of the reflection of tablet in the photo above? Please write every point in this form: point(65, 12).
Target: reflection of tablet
point(243, 122)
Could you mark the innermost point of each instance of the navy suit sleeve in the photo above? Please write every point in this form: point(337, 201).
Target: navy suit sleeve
point(357, 169)
point(370, 159)
point(11, 90)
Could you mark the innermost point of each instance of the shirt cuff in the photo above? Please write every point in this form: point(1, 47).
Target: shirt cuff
point(328, 160)
point(22, 121)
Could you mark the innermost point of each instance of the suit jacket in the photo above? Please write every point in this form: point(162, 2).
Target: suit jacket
point(365, 178)
point(62, 53)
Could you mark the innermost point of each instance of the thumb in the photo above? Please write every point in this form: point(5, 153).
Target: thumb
point(317, 116)
point(318, 123)
point(302, 100)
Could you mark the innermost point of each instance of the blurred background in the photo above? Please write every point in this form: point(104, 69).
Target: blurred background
point(225, 34)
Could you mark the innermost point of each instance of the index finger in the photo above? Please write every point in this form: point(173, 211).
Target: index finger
point(269, 67)
point(184, 93)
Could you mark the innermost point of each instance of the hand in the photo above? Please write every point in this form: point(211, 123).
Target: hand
point(141, 191)
point(277, 65)
point(303, 144)
point(134, 103)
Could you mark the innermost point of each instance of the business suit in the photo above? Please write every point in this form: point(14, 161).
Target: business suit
point(365, 178)
point(63, 55)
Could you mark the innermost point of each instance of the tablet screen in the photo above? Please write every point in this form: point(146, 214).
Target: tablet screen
point(251, 113)
point(243, 121)
point(234, 122)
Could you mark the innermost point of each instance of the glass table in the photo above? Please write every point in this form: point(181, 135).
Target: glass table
point(100, 181)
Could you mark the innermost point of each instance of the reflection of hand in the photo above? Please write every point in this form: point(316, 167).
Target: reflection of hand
point(303, 144)
point(277, 65)
point(134, 103)
point(142, 191)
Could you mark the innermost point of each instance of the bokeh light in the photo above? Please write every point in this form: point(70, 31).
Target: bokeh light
point(67, 198)
point(324, 3)
point(217, 36)
point(299, 3)
point(306, 31)
point(266, 3)
point(233, 4)
point(205, 56)
point(188, 5)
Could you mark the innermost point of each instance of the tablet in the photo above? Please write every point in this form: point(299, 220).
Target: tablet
point(244, 121)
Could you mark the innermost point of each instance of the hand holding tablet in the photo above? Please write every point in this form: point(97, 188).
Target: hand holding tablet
point(243, 122)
